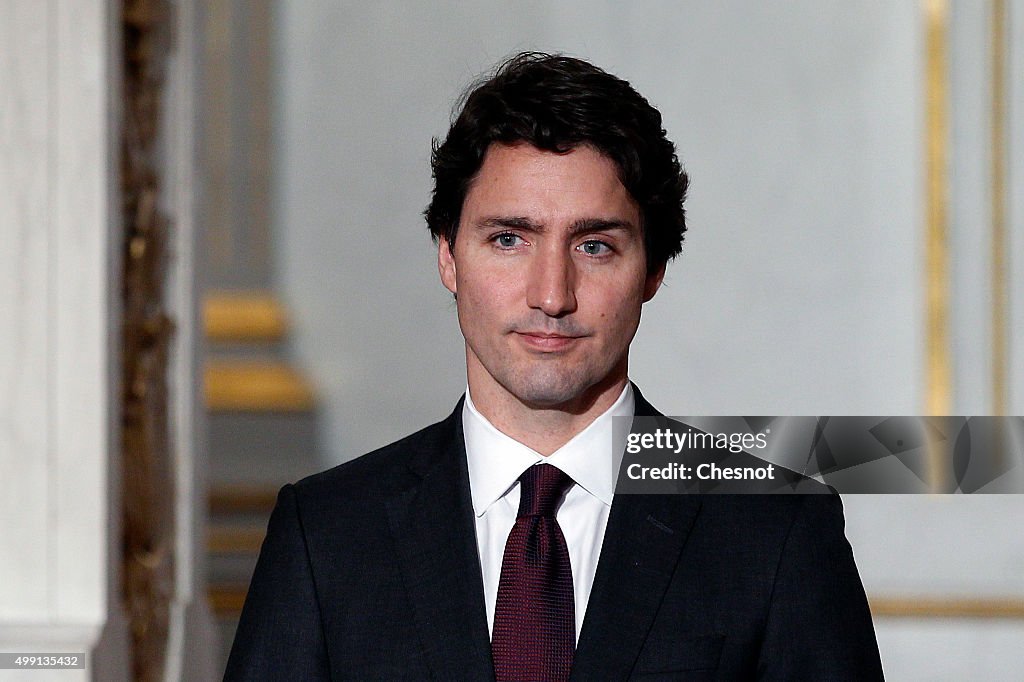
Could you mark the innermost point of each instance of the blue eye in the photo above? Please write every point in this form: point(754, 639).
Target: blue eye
point(592, 247)
point(507, 240)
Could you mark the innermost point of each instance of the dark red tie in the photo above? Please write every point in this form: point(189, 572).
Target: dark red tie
point(534, 634)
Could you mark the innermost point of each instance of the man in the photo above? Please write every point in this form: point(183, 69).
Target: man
point(492, 545)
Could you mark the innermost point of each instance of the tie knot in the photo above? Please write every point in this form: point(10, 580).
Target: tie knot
point(540, 489)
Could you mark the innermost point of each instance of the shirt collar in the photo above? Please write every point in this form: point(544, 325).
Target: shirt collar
point(496, 460)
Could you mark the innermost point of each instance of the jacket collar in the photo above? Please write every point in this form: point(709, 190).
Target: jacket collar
point(642, 545)
point(431, 518)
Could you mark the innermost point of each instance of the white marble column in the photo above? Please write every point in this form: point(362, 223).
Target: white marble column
point(58, 334)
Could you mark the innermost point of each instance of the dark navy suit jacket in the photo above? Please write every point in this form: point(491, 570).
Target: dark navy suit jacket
point(370, 571)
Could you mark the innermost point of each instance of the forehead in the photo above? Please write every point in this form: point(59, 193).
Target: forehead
point(523, 180)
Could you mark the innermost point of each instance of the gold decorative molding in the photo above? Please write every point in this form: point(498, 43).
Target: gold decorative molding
point(242, 499)
point(938, 369)
point(939, 381)
point(256, 386)
point(241, 317)
point(948, 607)
point(234, 539)
point(226, 600)
point(147, 528)
point(998, 184)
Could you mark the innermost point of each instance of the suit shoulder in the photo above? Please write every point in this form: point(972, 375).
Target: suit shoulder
point(773, 515)
point(383, 464)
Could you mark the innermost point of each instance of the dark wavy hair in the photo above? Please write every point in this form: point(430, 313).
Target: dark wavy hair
point(557, 103)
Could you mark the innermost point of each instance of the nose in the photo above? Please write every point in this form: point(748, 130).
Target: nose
point(552, 285)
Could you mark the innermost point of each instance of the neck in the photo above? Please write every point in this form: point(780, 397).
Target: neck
point(543, 428)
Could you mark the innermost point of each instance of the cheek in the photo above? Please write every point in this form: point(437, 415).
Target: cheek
point(469, 283)
point(622, 320)
point(615, 305)
point(482, 300)
point(490, 286)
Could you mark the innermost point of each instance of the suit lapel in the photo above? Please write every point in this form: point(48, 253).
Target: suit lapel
point(430, 515)
point(642, 545)
point(431, 519)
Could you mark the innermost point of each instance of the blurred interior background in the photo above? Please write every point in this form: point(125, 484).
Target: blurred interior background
point(855, 211)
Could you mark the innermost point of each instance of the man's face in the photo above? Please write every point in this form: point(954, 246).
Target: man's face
point(550, 274)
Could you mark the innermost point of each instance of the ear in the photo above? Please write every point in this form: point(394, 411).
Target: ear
point(446, 265)
point(653, 282)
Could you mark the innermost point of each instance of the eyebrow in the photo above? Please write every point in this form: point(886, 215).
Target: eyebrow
point(581, 226)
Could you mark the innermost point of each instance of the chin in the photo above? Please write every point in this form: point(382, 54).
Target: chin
point(550, 389)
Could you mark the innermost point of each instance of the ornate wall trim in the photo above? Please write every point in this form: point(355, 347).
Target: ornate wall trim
point(147, 329)
point(938, 368)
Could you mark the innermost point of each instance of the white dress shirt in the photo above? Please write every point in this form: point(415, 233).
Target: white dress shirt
point(495, 464)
